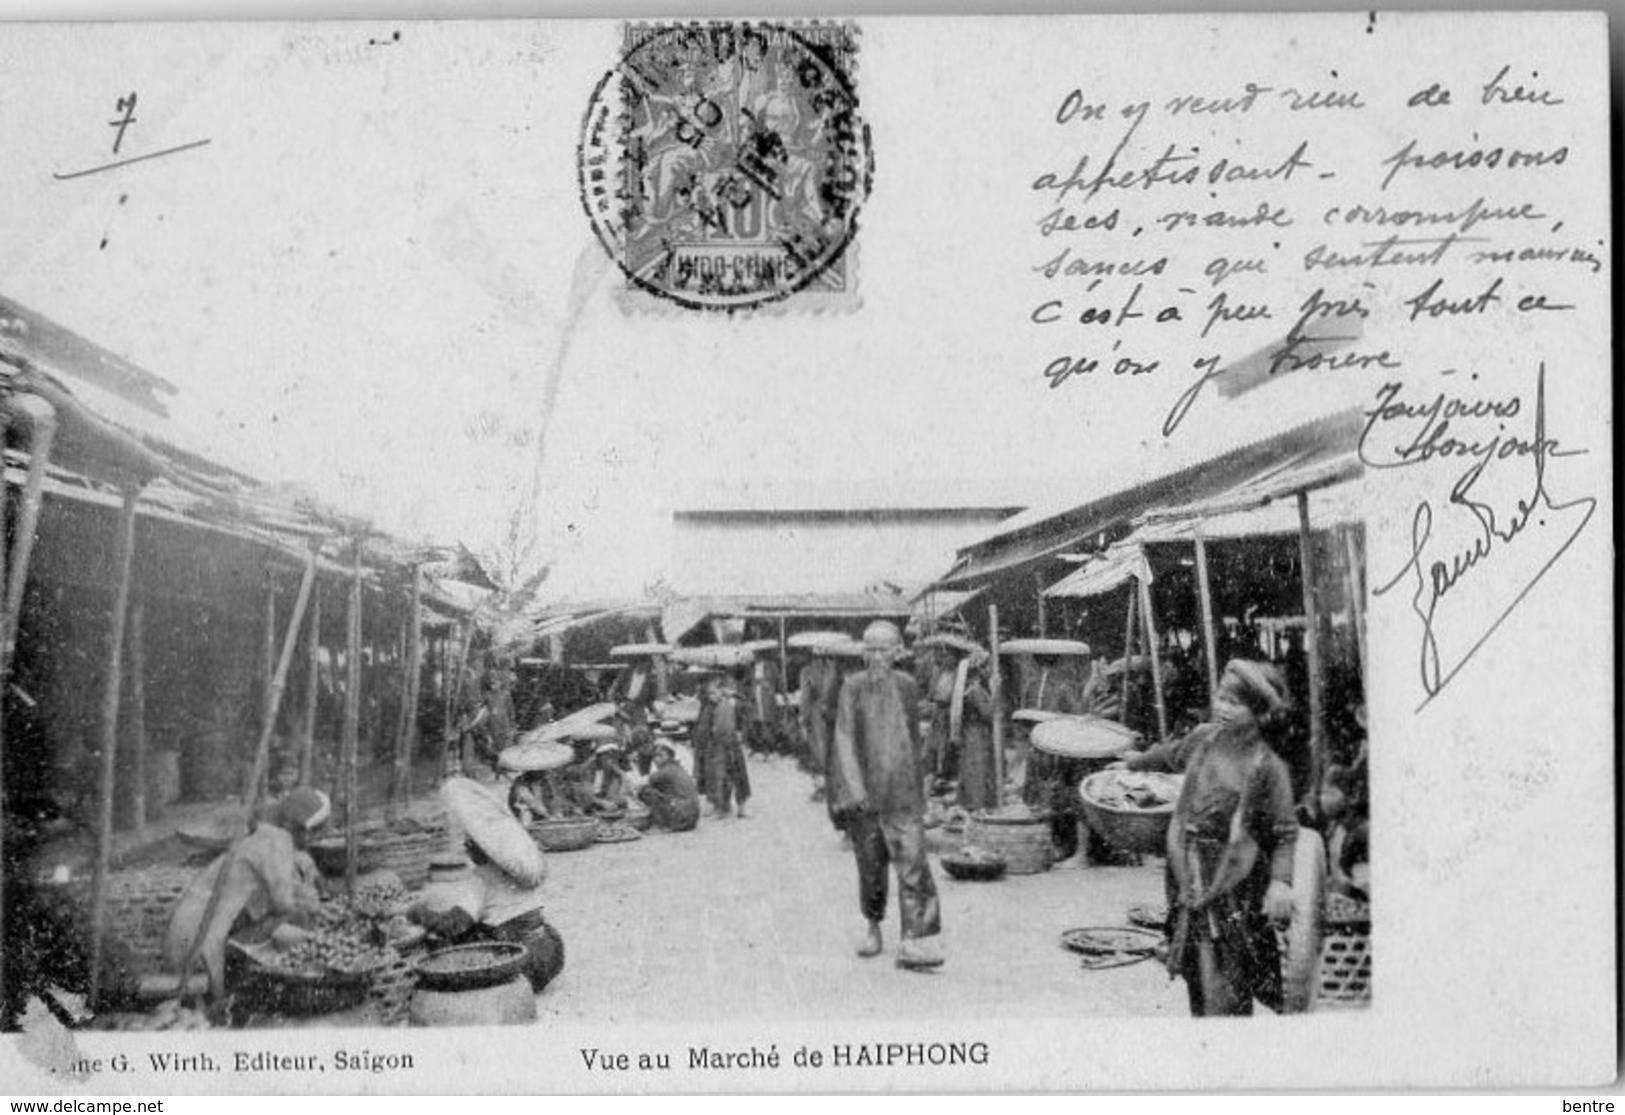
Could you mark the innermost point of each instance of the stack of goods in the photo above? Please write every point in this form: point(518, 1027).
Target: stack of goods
point(1129, 789)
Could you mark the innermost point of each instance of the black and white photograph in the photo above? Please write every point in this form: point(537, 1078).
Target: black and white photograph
point(807, 554)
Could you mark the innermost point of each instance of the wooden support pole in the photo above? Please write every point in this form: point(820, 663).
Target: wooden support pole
point(5, 677)
point(1354, 586)
point(313, 686)
point(1156, 655)
point(454, 691)
point(13, 584)
point(123, 553)
point(138, 714)
point(406, 739)
point(1210, 635)
point(784, 658)
point(1313, 651)
point(43, 417)
point(996, 683)
point(267, 660)
point(1128, 656)
point(279, 682)
point(1043, 606)
point(351, 738)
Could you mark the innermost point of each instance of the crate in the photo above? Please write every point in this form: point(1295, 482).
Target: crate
point(391, 992)
point(1344, 975)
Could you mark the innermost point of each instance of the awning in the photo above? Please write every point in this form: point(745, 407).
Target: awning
point(1260, 508)
point(684, 615)
point(1257, 466)
point(1105, 572)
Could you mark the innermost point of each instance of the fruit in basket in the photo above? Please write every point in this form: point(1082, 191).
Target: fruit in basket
point(329, 950)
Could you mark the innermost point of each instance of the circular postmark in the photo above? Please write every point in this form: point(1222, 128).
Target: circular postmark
point(723, 165)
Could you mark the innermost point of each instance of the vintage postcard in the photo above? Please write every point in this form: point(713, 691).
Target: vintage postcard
point(807, 554)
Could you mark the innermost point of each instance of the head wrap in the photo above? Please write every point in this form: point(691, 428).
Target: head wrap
point(1259, 684)
point(303, 808)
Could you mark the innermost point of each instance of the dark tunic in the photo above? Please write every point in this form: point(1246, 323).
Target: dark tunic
point(672, 797)
point(875, 782)
point(1226, 948)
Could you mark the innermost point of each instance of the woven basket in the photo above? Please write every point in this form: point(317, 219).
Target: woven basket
point(329, 857)
point(406, 854)
point(565, 834)
point(281, 993)
point(1129, 830)
point(1024, 845)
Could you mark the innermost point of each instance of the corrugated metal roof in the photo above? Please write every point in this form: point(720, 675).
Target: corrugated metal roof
point(1034, 536)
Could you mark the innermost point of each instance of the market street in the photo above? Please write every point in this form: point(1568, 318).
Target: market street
point(758, 918)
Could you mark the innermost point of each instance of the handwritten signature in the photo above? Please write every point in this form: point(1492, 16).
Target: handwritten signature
point(1434, 580)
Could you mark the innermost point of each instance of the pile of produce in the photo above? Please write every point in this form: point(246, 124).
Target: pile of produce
point(1135, 790)
point(327, 951)
point(976, 854)
point(378, 900)
point(1342, 907)
point(616, 832)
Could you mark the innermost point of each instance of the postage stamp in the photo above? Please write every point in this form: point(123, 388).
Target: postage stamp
point(723, 165)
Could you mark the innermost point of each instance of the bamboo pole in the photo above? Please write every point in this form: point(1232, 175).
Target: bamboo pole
point(138, 714)
point(350, 741)
point(1128, 656)
point(996, 685)
point(1156, 657)
point(1210, 637)
point(279, 682)
point(123, 554)
point(43, 436)
point(1043, 605)
point(13, 584)
point(784, 658)
point(454, 692)
point(267, 659)
point(5, 841)
point(400, 784)
point(313, 685)
point(1312, 650)
point(1356, 593)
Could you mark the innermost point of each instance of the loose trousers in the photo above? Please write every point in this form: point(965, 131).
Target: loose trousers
point(880, 841)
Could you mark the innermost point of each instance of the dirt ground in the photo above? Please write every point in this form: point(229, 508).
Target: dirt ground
point(758, 918)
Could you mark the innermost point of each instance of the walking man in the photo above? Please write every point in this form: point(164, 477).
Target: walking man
point(875, 787)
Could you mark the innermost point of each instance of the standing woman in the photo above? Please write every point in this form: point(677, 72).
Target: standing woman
point(1230, 850)
point(971, 713)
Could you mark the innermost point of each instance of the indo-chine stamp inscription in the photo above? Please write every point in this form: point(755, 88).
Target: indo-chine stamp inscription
point(723, 165)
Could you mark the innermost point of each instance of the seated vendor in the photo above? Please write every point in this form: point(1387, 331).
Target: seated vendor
point(534, 797)
point(610, 789)
point(262, 881)
point(670, 793)
point(467, 901)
